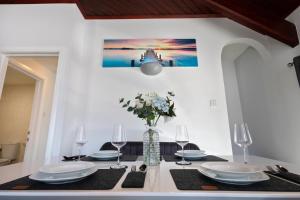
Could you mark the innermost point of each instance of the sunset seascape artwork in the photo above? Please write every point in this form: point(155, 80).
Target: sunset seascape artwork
point(135, 52)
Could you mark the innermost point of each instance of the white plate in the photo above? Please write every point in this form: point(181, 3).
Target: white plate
point(231, 169)
point(195, 156)
point(107, 152)
point(61, 178)
point(67, 167)
point(246, 180)
point(104, 157)
point(191, 152)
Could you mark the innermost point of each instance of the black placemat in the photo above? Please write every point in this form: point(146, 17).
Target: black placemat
point(208, 158)
point(192, 179)
point(287, 175)
point(134, 180)
point(103, 179)
point(125, 158)
point(72, 158)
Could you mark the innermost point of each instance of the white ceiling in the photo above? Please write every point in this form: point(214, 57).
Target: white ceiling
point(14, 77)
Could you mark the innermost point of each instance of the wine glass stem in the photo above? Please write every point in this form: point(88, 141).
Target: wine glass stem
point(245, 155)
point(182, 153)
point(118, 156)
point(79, 151)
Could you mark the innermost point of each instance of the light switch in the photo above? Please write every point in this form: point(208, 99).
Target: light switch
point(213, 103)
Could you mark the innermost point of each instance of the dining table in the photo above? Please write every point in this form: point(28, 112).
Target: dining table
point(158, 185)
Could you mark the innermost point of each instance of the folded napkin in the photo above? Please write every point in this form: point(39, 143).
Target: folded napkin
point(208, 158)
point(127, 158)
point(287, 175)
point(134, 180)
point(71, 158)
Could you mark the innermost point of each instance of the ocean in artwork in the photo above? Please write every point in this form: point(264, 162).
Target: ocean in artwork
point(134, 52)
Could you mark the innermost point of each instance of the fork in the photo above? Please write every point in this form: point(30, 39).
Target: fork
point(273, 171)
point(281, 168)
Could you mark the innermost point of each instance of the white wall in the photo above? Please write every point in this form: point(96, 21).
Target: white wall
point(50, 28)
point(194, 87)
point(251, 75)
point(269, 95)
point(282, 98)
point(229, 54)
point(15, 112)
point(89, 93)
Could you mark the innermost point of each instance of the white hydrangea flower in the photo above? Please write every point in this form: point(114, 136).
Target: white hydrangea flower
point(138, 104)
point(149, 98)
point(161, 104)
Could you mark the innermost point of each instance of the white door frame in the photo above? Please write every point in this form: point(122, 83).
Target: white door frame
point(57, 112)
point(3, 67)
point(35, 119)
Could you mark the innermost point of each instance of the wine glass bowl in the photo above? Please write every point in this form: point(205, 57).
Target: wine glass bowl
point(118, 140)
point(242, 138)
point(182, 139)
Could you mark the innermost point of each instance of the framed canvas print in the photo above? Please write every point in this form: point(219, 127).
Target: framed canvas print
point(135, 52)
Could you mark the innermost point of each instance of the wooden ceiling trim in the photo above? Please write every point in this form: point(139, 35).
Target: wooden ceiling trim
point(264, 16)
point(149, 8)
point(167, 8)
point(152, 8)
point(279, 9)
point(81, 8)
point(180, 7)
point(104, 17)
point(190, 5)
point(281, 30)
point(35, 1)
point(124, 7)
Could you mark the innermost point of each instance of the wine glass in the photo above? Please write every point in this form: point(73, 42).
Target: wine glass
point(118, 140)
point(242, 138)
point(80, 139)
point(182, 139)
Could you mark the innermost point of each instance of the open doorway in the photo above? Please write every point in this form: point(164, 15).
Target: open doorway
point(15, 114)
point(25, 107)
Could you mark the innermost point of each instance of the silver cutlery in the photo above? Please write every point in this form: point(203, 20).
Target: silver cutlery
point(142, 168)
point(283, 173)
point(272, 170)
point(277, 169)
point(133, 168)
point(281, 168)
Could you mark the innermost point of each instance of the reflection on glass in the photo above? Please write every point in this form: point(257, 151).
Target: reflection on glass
point(242, 138)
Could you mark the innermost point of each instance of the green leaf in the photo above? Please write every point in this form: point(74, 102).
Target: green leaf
point(125, 105)
point(168, 100)
point(172, 106)
point(130, 109)
point(121, 100)
point(128, 102)
point(139, 96)
point(171, 94)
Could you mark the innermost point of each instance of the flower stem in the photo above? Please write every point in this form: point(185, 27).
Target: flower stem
point(157, 120)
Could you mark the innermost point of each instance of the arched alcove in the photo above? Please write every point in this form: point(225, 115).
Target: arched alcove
point(260, 48)
point(244, 62)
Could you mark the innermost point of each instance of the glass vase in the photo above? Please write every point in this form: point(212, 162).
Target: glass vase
point(151, 149)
